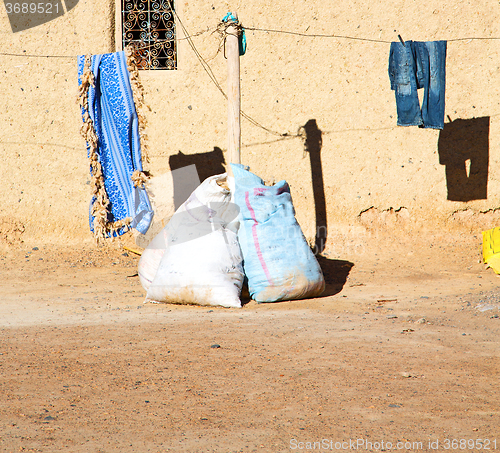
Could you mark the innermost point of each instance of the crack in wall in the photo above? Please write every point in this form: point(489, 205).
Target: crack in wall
point(391, 217)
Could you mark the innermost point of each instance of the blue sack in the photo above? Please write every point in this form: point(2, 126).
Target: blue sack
point(277, 259)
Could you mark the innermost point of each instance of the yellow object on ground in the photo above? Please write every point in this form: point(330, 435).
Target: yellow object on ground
point(491, 248)
point(137, 252)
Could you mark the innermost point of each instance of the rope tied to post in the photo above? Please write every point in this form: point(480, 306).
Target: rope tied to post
point(230, 20)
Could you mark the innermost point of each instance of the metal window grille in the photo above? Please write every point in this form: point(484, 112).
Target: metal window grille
point(148, 25)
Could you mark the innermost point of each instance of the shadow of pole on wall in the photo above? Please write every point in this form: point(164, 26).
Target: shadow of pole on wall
point(313, 142)
point(463, 148)
point(334, 271)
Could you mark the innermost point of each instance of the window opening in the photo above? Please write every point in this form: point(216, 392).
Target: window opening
point(148, 25)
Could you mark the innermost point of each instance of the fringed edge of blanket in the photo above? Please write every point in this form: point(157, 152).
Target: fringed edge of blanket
point(103, 229)
point(139, 178)
point(140, 104)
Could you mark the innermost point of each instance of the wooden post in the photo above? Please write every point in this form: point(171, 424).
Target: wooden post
point(233, 93)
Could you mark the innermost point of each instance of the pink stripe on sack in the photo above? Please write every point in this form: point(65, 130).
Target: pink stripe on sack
point(256, 239)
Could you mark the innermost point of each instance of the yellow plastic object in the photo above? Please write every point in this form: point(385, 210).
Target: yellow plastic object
point(137, 252)
point(491, 248)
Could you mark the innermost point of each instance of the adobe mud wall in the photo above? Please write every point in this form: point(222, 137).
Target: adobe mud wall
point(351, 169)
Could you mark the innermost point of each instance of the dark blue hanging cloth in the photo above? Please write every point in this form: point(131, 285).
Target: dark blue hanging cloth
point(415, 65)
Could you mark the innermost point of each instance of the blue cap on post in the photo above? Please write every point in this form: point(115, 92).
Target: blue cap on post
point(229, 17)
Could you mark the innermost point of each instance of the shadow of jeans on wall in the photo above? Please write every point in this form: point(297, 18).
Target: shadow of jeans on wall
point(207, 164)
point(463, 148)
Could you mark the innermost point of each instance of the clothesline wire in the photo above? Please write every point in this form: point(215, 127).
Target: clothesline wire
point(209, 71)
point(315, 35)
point(472, 39)
point(36, 56)
point(76, 56)
point(211, 74)
point(188, 37)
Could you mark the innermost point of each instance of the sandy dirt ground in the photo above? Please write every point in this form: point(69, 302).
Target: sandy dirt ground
point(401, 353)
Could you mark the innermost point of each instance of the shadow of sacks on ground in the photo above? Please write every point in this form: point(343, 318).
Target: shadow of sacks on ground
point(335, 273)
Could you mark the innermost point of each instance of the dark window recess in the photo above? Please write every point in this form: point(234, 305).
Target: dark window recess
point(148, 25)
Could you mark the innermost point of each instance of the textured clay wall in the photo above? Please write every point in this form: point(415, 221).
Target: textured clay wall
point(372, 174)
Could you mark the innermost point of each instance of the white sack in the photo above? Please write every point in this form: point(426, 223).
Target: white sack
point(200, 260)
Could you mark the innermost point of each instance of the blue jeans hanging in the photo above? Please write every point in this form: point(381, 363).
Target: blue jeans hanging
point(419, 65)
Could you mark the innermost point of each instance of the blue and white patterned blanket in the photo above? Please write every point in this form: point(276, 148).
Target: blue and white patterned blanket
point(112, 110)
